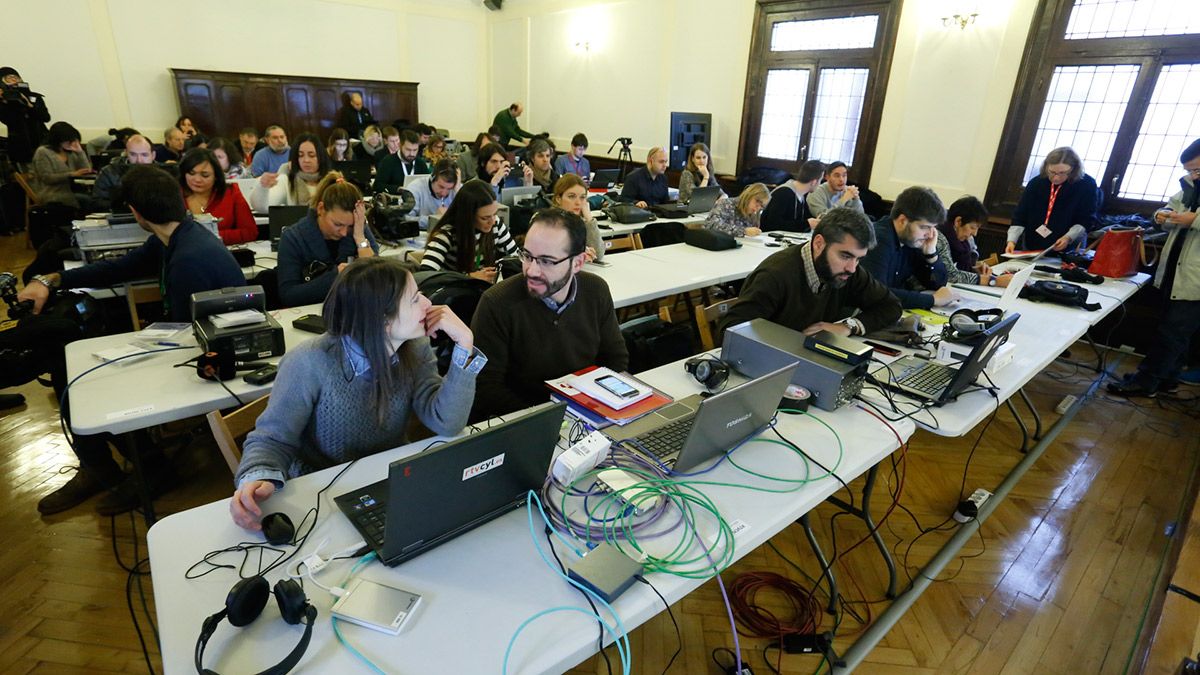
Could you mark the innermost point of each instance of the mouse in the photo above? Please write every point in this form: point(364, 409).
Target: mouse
point(278, 528)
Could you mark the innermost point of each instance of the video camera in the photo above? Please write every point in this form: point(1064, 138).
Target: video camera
point(17, 309)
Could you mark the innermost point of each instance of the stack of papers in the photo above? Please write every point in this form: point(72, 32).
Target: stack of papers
point(242, 317)
point(594, 411)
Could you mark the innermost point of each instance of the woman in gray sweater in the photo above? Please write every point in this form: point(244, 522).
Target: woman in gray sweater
point(56, 162)
point(349, 392)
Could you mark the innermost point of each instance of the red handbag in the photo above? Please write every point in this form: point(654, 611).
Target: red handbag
point(1119, 253)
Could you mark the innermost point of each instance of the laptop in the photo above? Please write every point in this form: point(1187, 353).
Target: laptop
point(693, 430)
point(511, 196)
point(605, 178)
point(279, 218)
point(432, 497)
point(939, 383)
point(357, 171)
point(1006, 300)
point(702, 201)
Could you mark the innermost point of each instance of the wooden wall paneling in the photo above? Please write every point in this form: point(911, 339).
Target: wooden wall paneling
point(225, 102)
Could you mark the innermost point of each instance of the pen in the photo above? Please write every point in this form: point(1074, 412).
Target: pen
point(164, 343)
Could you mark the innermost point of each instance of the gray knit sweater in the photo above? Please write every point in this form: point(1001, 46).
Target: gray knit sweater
point(320, 415)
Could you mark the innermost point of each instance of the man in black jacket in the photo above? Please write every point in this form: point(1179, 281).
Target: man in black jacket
point(24, 113)
point(186, 259)
point(906, 258)
point(354, 116)
point(788, 209)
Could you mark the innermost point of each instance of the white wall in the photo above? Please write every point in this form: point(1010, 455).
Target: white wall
point(643, 60)
point(108, 61)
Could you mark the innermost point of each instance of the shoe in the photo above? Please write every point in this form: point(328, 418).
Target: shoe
point(126, 496)
point(11, 401)
point(1191, 377)
point(1131, 387)
point(1168, 387)
point(82, 487)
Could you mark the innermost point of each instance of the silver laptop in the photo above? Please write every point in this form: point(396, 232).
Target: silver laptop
point(1006, 301)
point(693, 430)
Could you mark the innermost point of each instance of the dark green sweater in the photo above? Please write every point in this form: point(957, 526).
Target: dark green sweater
point(779, 291)
point(527, 343)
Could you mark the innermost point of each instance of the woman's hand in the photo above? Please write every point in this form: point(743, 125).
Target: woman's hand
point(488, 274)
point(753, 231)
point(244, 507)
point(442, 318)
point(1003, 279)
point(703, 170)
point(360, 222)
point(1010, 247)
point(1062, 243)
point(589, 254)
point(268, 180)
point(586, 213)
point(982, 268)
point(81, 172)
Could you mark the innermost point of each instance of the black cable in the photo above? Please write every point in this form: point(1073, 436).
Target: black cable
point(814, 461)
point(235, 396)
point(678, 633)
point(563, 569)
point(129, 602)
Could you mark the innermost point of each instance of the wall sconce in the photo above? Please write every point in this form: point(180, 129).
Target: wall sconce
point(583, 46)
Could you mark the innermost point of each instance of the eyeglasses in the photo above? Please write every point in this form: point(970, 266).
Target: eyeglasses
point(1194, 172)
point(1059, 173)
point(542, 261)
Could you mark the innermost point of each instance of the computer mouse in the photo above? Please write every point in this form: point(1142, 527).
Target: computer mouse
point(278, 529)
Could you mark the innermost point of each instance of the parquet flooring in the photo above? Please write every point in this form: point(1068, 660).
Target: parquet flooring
point(1058, 581)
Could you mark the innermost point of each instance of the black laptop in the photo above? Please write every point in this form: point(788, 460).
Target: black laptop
point(939, 383)
point(702, 201)
point(605, 178)
point(431, 498)
point(279, 218)
point(357, 171)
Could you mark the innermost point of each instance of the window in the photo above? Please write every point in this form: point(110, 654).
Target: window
point(1118, 81)
point(816, 82)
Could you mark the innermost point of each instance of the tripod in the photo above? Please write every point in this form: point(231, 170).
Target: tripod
point(624, 157)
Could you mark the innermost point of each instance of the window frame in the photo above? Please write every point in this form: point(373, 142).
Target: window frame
point(877, 60)
point(1046, 49)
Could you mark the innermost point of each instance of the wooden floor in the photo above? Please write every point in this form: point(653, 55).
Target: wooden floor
point(1059, 582)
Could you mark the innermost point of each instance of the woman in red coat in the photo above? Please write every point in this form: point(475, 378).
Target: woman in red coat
point(205, 191)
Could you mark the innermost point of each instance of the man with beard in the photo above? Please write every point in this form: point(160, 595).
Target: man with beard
point(549, 321)
point(819, 285)
point(906, 259)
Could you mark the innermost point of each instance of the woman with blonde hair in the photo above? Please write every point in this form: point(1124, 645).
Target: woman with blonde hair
point(739, 217)
point(1058, 206)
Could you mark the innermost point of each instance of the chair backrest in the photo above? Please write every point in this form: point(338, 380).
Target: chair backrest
point(708, 317)
point(226, 429)
point(136, 294)
point(662, 233)
point(629, 242)
point(31, 198)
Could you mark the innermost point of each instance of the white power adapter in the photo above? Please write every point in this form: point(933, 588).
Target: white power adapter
point(581, 457)
point(968, 509)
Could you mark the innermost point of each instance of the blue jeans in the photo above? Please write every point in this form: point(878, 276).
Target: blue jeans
point(1179, 322)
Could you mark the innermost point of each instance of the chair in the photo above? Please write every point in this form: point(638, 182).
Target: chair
point(706, 317)
point(629, 242)
point(139, 293)
point(31, 200)
point(226, 429)
point(662, 233)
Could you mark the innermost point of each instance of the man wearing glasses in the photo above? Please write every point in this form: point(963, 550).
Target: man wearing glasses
point(1179, 280)
point(549, 321)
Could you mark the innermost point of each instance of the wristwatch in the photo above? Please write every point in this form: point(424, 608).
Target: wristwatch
point(992, 281)
point(365, 243)
point(45, 281)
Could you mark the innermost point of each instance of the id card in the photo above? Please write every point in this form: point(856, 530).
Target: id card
point(1044, 232)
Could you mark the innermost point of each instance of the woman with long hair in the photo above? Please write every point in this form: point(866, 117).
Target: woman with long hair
point(469, 238)
point(339, 146)
point(351, 391)
point(57, 160)
point(697, 173)
point(206, 192)
point(739, 217)
point(372, 147)
point(570, 194)
point(230, 158)
point(307, 164)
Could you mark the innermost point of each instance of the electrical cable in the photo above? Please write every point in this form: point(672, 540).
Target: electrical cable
point(678, 633)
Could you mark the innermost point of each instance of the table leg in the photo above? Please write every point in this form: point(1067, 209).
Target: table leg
point(826, 566)
point(134, 446)
point(864, 514)
point(1020, 424)
point(1037, 419)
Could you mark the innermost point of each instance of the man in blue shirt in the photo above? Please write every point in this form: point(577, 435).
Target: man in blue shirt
point(275, 154)
point(906, 258)
point(574, 161)
point(647, 186)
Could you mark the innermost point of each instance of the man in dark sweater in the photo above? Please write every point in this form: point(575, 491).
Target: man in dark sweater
point(552, 320)
point(906, 258)
point(186, 259)
point(647, 186)
point(788, 208)
point(819, 285)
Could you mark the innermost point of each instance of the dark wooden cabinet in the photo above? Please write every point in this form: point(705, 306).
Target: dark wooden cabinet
point(224, 103)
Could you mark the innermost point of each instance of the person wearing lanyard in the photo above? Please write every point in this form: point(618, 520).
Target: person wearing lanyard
point(433, 193)
point(574, 161)
point(1179, 280)
point(1058, 206)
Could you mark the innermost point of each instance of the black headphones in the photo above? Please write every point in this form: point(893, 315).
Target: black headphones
point(709, 371)
point(965, 324)
point(221, 366)
point(245, 603)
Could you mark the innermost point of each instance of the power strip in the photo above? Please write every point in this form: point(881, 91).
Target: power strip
point(968, 509)
point(1065, 404)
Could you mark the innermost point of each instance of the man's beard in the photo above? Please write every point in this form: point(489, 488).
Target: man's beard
point(552, 287)
point(825, 272)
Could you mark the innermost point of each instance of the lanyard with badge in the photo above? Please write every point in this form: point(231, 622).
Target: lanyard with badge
point(1044, 230)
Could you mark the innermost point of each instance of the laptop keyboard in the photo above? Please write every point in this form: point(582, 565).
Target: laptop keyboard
point(667, 440)
point(929, 378)
point(370, 515)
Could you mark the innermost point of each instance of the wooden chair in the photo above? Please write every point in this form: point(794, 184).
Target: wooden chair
point(136, 294)
point(31, 200)
point(226, 429)
point(707, 316)
point(629, 242)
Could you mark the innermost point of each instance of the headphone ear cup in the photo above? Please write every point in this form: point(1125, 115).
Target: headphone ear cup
point(246, 600)
point(291, 600)
point(719, 375)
